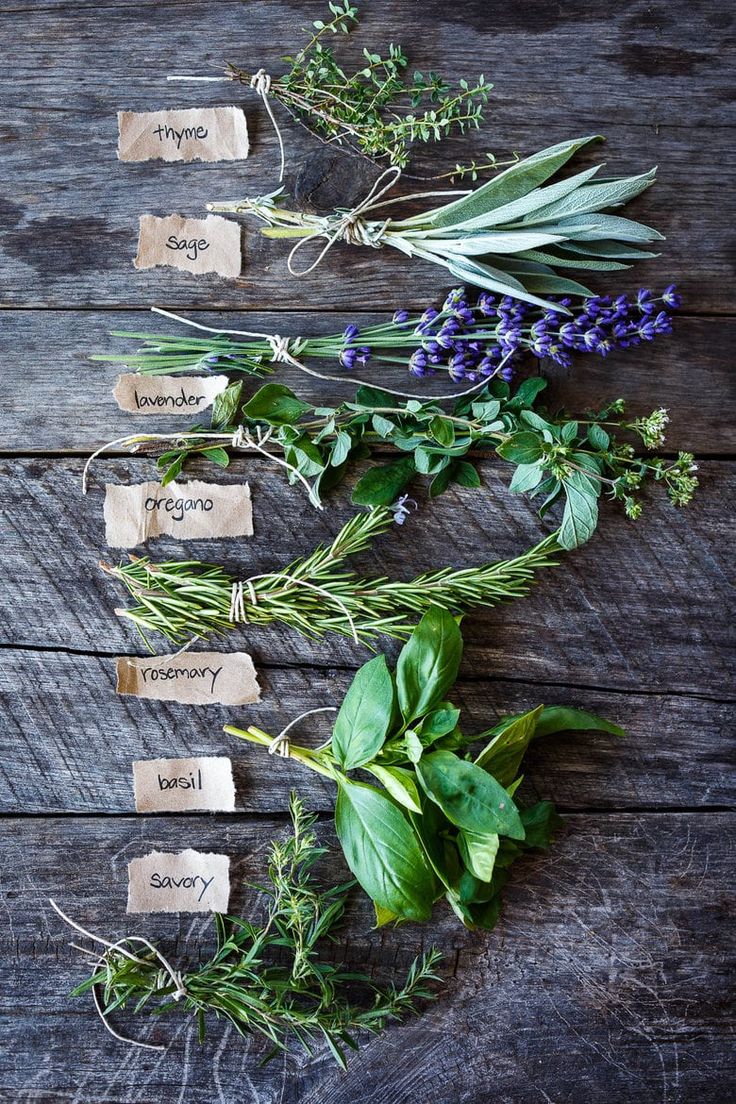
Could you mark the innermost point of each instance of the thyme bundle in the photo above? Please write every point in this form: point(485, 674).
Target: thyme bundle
point(315, 595)
point(376, 110)
point(434, 821)
point(265, 979)
point(510, 236)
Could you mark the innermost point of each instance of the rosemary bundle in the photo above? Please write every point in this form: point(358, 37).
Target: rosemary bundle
point(434, 820)
point(511, 235)
point(265, 979)
point(376, 110)
point(315, 595)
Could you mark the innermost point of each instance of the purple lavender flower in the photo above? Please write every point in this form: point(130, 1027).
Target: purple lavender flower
point(400, 317)
point(350, 333)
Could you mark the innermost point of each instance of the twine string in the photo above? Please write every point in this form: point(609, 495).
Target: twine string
point(120, 947)
point(280, 744)
point(260, 82)
point(350, 227)
point(237, 597)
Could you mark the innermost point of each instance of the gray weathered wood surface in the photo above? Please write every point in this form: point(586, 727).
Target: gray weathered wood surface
point(608, 977)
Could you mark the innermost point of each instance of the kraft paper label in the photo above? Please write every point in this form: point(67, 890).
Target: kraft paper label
point(193, 678)
point(185, 881)
point(185, 395)
point(188, 511)
point(204, 245)
point(183, 785)
point(189, 134)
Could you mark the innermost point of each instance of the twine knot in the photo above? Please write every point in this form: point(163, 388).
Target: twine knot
point(354, 230)
point(280, 352)
point(350, 227)
point(260, 82)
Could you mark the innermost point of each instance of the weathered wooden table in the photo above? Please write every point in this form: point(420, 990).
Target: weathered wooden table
point(607, 977)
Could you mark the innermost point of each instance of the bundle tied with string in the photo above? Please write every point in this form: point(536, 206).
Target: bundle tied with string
point(316, 594)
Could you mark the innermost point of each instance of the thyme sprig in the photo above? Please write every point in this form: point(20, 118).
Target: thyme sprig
point(267, 978)
point(316, 594)
point(375, 109)
point(512, 235)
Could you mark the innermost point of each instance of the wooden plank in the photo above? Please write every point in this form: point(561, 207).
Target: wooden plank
point(628, 987)
point(69, 740)
point(72, 211)
point(642, 607)
point(62, 401)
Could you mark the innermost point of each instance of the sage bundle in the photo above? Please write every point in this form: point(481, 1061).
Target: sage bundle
point(511, 236)
point(264, 978)
point(315, 595)
point(435, 820)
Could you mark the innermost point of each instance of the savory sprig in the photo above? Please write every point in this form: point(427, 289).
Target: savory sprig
point(434, 820)
point(267, 978)
point(512, 235)
point(375, 109)
point(316, 595)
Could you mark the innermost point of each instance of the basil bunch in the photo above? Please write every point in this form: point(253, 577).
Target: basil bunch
point(435, 821)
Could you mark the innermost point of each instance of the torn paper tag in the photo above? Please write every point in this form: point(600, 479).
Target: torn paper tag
point(189, 511)
point(193, 678)
point(182, 785)
point(187, 881)
point(189, 134)
point(167, 395)
point(211, 244)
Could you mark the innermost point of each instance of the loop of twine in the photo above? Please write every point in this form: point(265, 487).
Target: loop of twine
point(280, 744)
point(237, 597)
point(119, 947)
point(260, 82)
point(350, 227)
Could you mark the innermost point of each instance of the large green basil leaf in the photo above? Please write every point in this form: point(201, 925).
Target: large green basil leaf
point(399, 782)
point(503, 754)
point(365, 715)
point(469, 797)
point(383, 852)
point(428, 664)
point(561, 718)
point(479, 853)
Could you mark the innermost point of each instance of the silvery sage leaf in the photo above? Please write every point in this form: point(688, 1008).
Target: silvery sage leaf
point(511, 184)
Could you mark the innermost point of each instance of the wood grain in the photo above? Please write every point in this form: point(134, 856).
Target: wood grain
point(621, 957)
point(607, 979)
